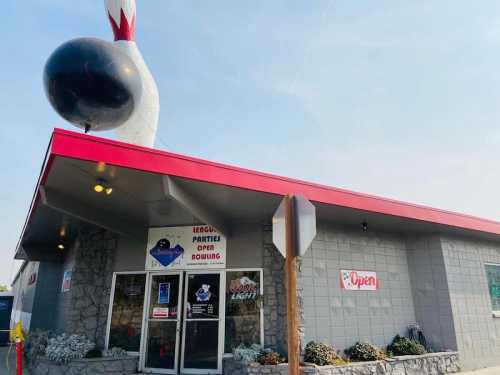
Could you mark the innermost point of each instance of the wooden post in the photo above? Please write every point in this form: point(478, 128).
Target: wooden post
point(291, 290)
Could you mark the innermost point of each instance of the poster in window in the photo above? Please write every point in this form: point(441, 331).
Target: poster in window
point(66, 284)
point(243, 309)
point(244, 287)
point(160, 312)
point(203, 296)
point(163, 293)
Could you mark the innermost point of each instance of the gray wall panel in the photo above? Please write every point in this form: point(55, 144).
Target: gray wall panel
point(24, 295)
point(245, 246)
point(46, 298)
point(131, 254)
point(477, 331)
point(430, 291)
point(244, 250)
point(29, 290)
point(342, 317)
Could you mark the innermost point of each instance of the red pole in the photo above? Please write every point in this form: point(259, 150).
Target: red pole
point(19, 357)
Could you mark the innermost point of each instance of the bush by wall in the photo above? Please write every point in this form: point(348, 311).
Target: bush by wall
point(64, 348)
point(271, 358)
point(247, 354)
point(362, 351)
point(428, 364)
point(322, 354)
point(404, 346)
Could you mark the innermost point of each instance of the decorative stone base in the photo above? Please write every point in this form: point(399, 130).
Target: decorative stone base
point(91, 366)
point(428, 364)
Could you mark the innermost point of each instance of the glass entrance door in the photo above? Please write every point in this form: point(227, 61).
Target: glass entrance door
point(163, 322)
point(202, 329)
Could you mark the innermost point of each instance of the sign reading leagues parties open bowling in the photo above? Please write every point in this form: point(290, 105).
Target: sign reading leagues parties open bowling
point(181, 248)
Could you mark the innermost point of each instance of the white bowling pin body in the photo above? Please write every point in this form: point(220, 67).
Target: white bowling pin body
point(141, 127)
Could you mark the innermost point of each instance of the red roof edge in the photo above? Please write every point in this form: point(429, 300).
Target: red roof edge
point(44, 172)
point(80, 146)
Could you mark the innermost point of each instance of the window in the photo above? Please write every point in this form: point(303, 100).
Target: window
point(126, 313)
point(493, 276)
point(243, 308)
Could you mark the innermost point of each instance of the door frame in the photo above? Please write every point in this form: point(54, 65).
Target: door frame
point(110, 307)
point(144, 338)
point(222, 319)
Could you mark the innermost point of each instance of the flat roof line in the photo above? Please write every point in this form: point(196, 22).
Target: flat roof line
point(75, 145)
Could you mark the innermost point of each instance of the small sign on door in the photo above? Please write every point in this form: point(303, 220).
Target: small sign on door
point(66, 284)
point(160, 312)
point(163, 293)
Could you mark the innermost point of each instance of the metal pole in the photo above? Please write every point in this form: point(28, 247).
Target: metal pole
point(291, 292)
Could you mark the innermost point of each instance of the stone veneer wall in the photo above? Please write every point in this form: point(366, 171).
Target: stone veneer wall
point(274, 295)
point(84, 309)
point(108, 366)
point(429, 364)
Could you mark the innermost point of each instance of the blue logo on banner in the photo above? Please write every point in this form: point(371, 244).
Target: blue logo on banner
point(164, 254)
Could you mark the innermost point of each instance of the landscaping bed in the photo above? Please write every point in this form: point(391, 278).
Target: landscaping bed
point(86, 366)
point(49, 354)
point(426, 364)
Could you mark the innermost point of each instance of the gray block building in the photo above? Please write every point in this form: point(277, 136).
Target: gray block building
point(171, 258)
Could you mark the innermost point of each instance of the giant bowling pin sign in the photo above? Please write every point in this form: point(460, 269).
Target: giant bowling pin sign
point(142, 126)
point(97, 85)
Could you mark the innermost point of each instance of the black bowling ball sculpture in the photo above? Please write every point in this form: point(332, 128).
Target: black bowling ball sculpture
point(92, 84)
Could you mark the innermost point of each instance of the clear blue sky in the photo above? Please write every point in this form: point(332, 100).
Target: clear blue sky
point(395, 98)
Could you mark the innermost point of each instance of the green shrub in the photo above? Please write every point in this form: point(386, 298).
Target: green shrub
point(270, 358)
point(362, 351)
point(405, 346)
point(322, 354)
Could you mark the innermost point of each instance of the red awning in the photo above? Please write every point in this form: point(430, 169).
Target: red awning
point(201, 174)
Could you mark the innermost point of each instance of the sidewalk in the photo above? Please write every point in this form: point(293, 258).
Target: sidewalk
point(4, 351)
point(486, 371)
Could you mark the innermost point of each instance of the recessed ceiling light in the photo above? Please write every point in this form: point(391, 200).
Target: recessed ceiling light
point(60, 246)
point(98, 188)
point(102, 186)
